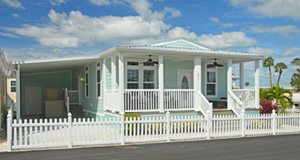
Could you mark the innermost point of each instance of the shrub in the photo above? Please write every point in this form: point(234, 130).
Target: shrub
point(266, 107)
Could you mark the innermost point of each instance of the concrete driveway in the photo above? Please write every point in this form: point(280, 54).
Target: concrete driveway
point(261, 148)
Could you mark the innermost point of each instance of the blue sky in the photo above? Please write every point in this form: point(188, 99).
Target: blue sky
point(58, 28)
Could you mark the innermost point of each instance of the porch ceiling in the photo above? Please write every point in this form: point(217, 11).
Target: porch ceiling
point(55, 64)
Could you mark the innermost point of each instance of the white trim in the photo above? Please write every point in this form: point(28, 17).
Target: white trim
point(87, 83)
point(140, 69)
point(50, 72)
point(181, 40)
point(121, 82)
point(229, 74)
point(161, 81)
point(61, 59)
point(257, 83)
point(205, 80)
point(98, 68)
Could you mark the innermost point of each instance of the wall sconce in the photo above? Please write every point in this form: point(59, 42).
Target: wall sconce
point(81, 78)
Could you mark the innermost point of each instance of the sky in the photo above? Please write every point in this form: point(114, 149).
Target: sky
point(39, 29)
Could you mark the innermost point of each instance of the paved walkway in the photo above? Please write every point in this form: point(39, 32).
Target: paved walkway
point(3, 145)
point(260, 148)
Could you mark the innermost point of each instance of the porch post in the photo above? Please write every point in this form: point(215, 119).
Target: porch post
point(18, 95)
point(197, 83)
point(229, 81)
point(104, 84)
point(229, 75)
point(161, 82)
point(257, 83)
point(242, 83)
point(113, 73)
point(121, 82)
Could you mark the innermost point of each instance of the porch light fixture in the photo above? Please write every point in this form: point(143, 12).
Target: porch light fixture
point(81, 78)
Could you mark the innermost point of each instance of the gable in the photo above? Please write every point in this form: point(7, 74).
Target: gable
point(180, 44)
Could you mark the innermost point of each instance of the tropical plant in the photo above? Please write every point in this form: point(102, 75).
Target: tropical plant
point(268, 63)
point(247, 84)
point(280, 96)
point(295, 80)
point(279, 67)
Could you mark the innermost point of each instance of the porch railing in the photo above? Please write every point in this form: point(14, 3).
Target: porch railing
point(206, 106)
point(179, 99)
point(234, 103)
point(141, 100)
point(247, 96)
point(74, 97)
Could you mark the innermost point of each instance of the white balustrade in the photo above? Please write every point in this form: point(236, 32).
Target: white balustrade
point(247, 96)
point(178, 99)
point(73, 96)
point(141, 100)
point(205, 105)
point(234, 103)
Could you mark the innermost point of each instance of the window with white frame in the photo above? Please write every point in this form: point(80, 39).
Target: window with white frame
point(98, 79)
point(140, 76)
point(13, 86)
point(211, 81)
point(86, 83)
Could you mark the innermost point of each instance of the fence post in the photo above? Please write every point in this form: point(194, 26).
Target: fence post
point(69, 130)
point(168, 125)
point(274, 122)
point(208, 122)
point(9, 130)
point(122, 129)
point(243, 119)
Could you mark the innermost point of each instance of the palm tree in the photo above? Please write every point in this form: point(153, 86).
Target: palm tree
point(268, 63)
point(296, 61)
point(279, 67)
point(295, 81)
point(281, 96)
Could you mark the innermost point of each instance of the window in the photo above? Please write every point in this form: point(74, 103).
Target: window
point(211, 81)
point(13, 86)
point(86, 81)
point(98, 79)
point(140, 75)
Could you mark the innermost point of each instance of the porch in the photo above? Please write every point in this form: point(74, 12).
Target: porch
point(130, 89)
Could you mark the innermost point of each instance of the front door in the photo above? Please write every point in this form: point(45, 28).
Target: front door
point(33, 100)
point(185, 79)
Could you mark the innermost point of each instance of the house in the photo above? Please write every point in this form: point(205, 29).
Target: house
point(177, 76)
point(3, 75)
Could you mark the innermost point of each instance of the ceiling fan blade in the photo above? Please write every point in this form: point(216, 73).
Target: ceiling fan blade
point(210, 66)
point(219, 65)
point(155, 62)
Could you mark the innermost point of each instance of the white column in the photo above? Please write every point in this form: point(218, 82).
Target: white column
point(104, 84)
point(113, 73)
point(242, 82)
point(121, 82)
point(18, 95)
point(257, 83)
point(161, 82)
point(197, 82)
point(229, 75)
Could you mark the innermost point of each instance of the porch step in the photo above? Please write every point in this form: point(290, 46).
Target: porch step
point(76, 111)
point(223, 112)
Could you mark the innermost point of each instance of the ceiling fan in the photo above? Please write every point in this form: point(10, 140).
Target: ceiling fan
point(215, 64)
point(150, 61)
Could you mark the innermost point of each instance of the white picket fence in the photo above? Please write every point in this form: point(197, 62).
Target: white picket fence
point(69, 132)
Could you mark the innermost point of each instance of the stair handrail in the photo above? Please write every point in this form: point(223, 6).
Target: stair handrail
point(235, 103)
point(205, 105)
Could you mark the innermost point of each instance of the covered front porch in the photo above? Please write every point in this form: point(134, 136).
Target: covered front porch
point(175, 82)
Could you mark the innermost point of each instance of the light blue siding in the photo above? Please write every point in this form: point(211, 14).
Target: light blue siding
point(170, 71)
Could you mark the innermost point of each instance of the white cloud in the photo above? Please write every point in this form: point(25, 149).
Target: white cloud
point(13, 4)
point(73, 29)
point(223, 24)
point(15, 15)
point(226, 40)
point(105, 2)
point(263, 51)
point(270, 8)
point(57, 2)
point(291, 51)
point(285, 30)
